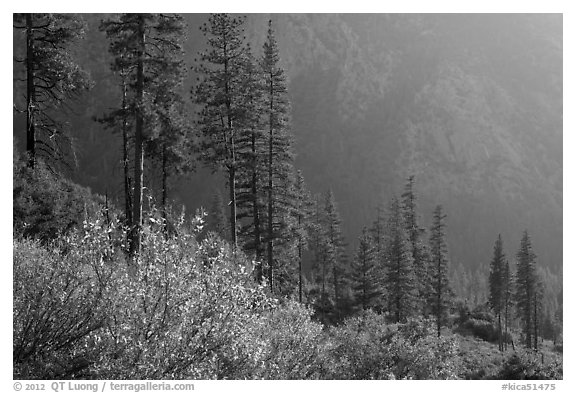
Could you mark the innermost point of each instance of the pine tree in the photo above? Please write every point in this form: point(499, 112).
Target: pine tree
point(147, 49)
point(279, 144)
point(365, 280)
point(526, 289)
point(400, 280)
point(441, 293)
point(508, 286)
point(321, 268)
point(52, 77)
point(417, 246)
point(171, 147)
point(336, 253)
point(497, 286)
point(121, 119)
point(303, 211)
point(251, 165)
point(219, 94)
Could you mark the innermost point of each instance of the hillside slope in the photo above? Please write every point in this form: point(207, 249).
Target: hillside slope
point(470, 104)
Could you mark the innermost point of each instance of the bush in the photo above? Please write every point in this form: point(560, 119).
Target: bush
point(365, 347)
point(293, 344)
point(482, 329)
point(46, 206)
point(183, 309)
point(57, 303)
point(529, 365)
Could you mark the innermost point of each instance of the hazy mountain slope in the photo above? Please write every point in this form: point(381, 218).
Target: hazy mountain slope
point(470, 104)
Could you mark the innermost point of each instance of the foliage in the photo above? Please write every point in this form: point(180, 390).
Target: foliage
point(400, 280)
point(185, 311)
point(418, 247)
point(366, 347)
point(57, 303)
point(365, 279)
point(479, 328)
point(527, 294)
point(52, 77)
point(293, 344)
point(441, 294)
point(529, 365)
point(46, 206)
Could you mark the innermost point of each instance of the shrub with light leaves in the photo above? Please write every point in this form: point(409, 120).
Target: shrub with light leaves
point(293, 344)
point(367, 347)
point(57, 303)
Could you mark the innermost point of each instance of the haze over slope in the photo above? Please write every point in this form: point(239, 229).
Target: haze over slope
point(469, 104)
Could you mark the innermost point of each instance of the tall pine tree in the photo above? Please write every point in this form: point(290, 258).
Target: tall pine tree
point(365, 280)
point(52, 77)
point(497, 286)
point(400, 280)
point(220, 96)
point(417, 244)
point(279, 144)
point(526, 288)
point(441, 294)
point(147, 50)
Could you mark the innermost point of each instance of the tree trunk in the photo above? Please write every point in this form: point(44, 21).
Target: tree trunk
point(30, 93)
point(256, 212)
point(299, 259)
point(500, 341)
point(232, 190)
point(439, 298)
point(164, 191)
point(270, 207)
point(528, 312)
point(535, 321)
point(125, 156)
point(506, 321)
point(138, 144)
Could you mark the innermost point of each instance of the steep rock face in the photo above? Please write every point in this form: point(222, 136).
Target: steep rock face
point(470, 104)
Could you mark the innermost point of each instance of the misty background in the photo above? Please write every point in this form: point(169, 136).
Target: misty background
point(471, 104)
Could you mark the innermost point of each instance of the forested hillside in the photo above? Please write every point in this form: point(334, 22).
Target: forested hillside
point(384, 191)
point(469, 104)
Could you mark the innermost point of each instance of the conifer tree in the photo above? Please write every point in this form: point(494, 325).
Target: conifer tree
point(121, 119)
point(251, 165)
point(526, 289)
point(399, 281)
point(497, 286)
point(52, 77)
point(378, 229)
point(279, 144)
point(441, 293)
point(417, 246)
point(303, 211)
point(365, 280)
point(321, 267)
point(172, 147)
point(219, 93)
point(147, 49)
point(508, 286)
point(336, 252)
